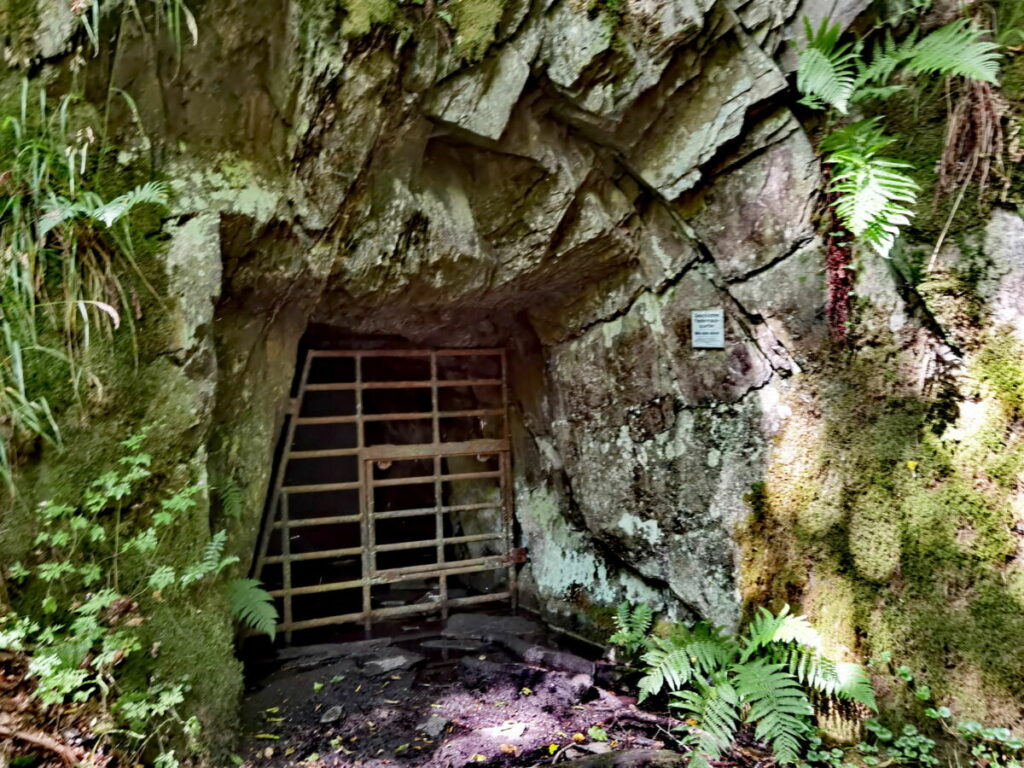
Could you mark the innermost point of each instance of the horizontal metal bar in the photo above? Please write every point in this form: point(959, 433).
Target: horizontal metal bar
point(323, 554)
point(305, 420)
point(368, 417)
point(429, 450)
point(454, 352)
point(454, 568)
point(305, 522)
point(391, 515)
point(325, 453)
point(316, 589)
point(320, 486)
point(416, 384)
point(390, 482)
point(399, 546)
point(401, 610)
point(326, 621)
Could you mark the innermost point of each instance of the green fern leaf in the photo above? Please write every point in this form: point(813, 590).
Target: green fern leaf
point(827, 71)
point(874, 198)
point(778, 706)
point(253, 606)
point(715, 708)
point(956, 49)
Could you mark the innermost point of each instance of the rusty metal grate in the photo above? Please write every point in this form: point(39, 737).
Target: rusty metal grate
point(395, 472)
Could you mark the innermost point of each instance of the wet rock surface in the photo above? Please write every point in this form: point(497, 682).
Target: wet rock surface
point(330, 705)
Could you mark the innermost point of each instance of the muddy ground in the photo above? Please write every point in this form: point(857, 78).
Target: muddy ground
point(477, 690)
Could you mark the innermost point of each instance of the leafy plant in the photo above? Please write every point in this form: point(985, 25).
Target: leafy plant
point(761, 677)
point(97, 563)
point(253, 606)
point(69, 252)
point(631, 626)
point(873, 196)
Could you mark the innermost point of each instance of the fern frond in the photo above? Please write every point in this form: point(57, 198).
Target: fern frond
point(836, 679)
point(253, 606)
point(667, 665)
point(232, 499)
point(827, 70)
point(779, 708)
point(213, 560)
point(716, 710)
point(631, 625)
point(956, 49)
point(152, 192)
point(874, 197)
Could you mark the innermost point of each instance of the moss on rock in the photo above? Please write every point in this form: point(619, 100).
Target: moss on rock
point(902, 526)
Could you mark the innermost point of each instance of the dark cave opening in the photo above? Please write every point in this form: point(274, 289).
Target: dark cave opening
point(392, 492)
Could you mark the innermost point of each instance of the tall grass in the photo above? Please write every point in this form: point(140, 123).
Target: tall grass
point(66, 253)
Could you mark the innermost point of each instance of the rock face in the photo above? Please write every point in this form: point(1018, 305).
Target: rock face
point(574, 196)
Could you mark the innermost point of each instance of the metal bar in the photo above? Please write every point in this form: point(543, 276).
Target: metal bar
point(317, 487)
point(352, 419)
point(427, 451)
point(449, 352)
point(323, 453)
point(390, 482)
point(286, 567)
point(295, 405)
point(454, 568)
point(320, 554)
point(318, 589)
point(414, 384)
point(305, 522)
point(430, 510)
point(402, 610)
point(508, 519)
point(439, 541)
point(365, 507)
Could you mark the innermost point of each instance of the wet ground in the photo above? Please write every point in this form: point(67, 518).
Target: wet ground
point(480, 689)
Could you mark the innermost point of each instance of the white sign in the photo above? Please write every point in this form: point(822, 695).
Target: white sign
point(708, 328)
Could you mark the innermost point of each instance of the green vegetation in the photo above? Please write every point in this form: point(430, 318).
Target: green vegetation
point(874, 195)
point(764, 677)
point(99, 567)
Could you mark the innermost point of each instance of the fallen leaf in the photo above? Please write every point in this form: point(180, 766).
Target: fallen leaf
point(552, 748)
point(401, 748)
point(478, 758)
point(508, 749)
point(526, 691)
point(268, 752)
point(267, 737)
point(317, 687)
point(578, 737)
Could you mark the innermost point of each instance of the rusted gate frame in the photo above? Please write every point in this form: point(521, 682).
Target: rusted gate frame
point(278, 510)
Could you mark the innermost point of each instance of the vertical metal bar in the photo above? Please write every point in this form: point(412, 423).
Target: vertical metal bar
point(295, 407)
point(506, 483)
point(286, 568)
point(365, 502)
point(442, 588)
point(439, 529)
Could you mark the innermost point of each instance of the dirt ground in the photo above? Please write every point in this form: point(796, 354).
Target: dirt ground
point(491, 690)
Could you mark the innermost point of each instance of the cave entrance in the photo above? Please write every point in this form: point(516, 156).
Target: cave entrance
point(392, 495)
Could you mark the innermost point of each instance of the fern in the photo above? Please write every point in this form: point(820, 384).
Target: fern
point(232, 500)
point(253, 606)
point(212, 562)
point(631, 625)
point(955, 49)
point(715, 708)
point(827, 71)
point(762, 678)
point(874, 197)
point(779, 708)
